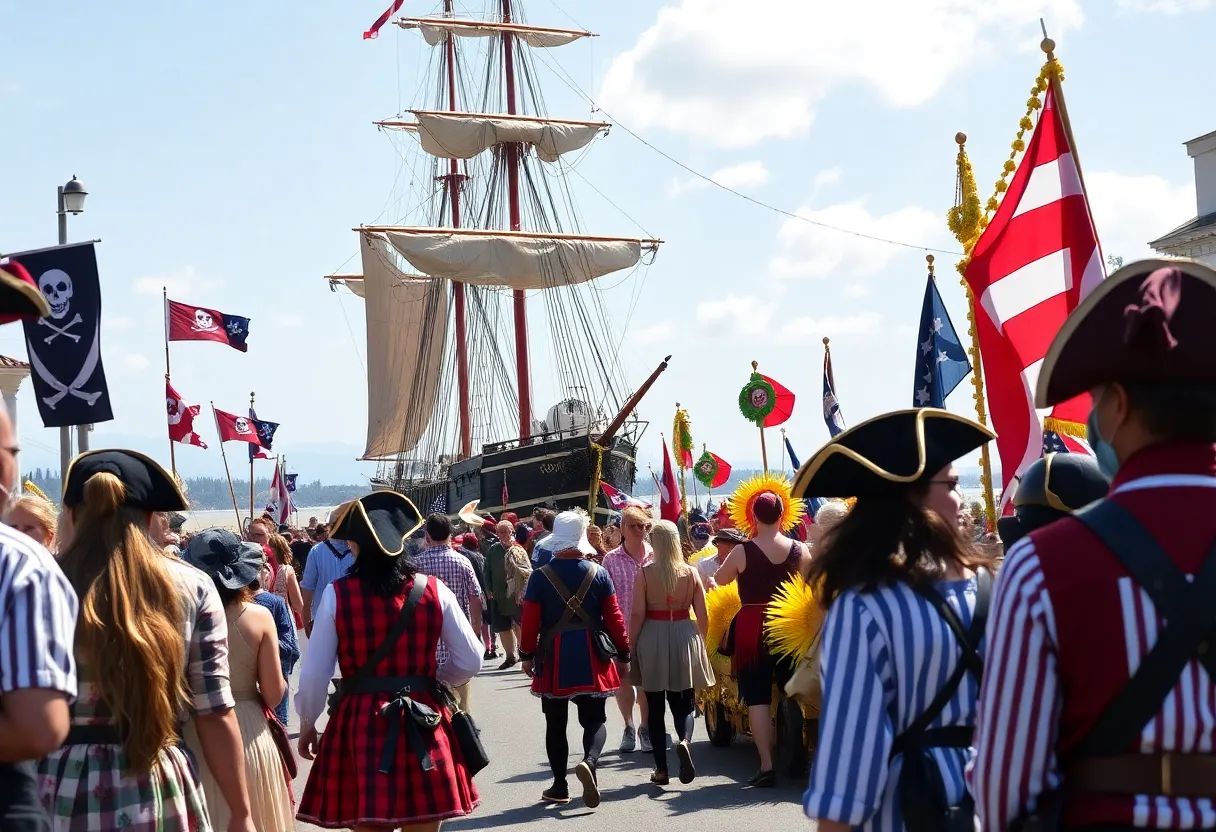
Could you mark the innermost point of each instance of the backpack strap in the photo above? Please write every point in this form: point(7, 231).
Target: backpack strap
point(918, 734)
point(574, 604)
point(404, 619)
point(1190, 624)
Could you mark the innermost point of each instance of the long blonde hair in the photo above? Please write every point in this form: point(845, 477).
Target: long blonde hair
point(281, 549)
point(129, 630)
point(668, 559)
point(43, 511)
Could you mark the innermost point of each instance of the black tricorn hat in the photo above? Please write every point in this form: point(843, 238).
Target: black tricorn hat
point(149, 486)
point(380, 520)
point(19, 294)
point(1052, 487)
point(1150, 321)
point(888, 453)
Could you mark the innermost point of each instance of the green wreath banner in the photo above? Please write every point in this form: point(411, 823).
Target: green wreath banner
point(706, 469)
point(757, 399)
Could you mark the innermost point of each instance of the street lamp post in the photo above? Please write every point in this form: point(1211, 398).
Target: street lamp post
point(71, 201)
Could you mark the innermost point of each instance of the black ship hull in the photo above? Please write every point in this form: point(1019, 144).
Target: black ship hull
point(553, 472)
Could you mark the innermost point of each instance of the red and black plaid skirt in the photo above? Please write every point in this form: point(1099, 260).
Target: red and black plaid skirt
point(345, 787)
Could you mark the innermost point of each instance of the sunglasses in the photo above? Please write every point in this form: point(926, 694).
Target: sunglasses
point(642, 526)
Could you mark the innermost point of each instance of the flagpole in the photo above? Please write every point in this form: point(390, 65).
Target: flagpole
point(164, 291)
point(783, 450)
point(251, 492)
point(763, 449)
point(227, 472)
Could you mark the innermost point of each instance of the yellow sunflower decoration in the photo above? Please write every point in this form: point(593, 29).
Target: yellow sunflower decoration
point(709, 551)
point(34, 491)
point(793, 619)
point(745, 495)
point(721, 605)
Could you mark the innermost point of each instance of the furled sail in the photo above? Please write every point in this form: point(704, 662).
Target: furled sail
point(436, 30)
point(352, 282)
point(519, 261)
point(406, 329)
point(464, 135)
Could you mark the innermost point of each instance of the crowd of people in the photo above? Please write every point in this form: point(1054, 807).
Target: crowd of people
point(1062, 680)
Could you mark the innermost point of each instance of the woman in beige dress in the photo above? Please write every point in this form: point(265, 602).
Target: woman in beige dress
point(669, 658)
point(255, 675)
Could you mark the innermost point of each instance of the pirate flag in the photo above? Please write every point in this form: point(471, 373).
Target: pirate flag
point(193, 323)
point(65, 348)
point(181, 419)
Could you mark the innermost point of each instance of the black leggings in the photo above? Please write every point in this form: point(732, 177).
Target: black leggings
point(590, 715)
point(681, 702)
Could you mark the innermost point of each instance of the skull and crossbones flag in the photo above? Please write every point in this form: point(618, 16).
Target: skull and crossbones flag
point(65, 348)
point(181, 419)
point(233, 428)
point(194, 323)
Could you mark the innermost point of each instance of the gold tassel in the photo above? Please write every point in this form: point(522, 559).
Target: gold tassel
point(1065, 426)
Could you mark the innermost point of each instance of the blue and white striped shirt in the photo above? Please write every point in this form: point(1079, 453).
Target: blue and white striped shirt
point(37, 618)
point(323, 567)
point(884, 657)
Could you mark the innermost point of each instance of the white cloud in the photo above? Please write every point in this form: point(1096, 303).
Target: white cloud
point(1162, 6)
point(738, 316)
point(828, 177)
point(738, 177)
point(736, 72)
point(176, 282)
point(115, 324)
point(807, 250)
point(136, 361)
point(289, 321)
point(856, 290)
point(656, 333)
point(1130, 210)
point(808, 330)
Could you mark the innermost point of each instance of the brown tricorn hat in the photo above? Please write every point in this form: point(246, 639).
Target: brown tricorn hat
point(1153, 320)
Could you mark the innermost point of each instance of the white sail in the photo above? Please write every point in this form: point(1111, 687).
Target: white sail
point(436, 30)
point(406, 327)
point(355, 284)
point(525, 261)
point(464, 135)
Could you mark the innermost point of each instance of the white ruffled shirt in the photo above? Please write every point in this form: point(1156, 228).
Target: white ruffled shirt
point(320, 662)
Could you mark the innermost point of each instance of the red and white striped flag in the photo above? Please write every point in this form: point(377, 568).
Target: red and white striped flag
point(1030, 268)
point(620, 500)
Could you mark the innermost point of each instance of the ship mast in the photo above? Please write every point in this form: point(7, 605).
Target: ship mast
point(523, 379)
point(454, 179)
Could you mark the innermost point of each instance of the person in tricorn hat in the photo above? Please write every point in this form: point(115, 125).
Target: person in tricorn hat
point(151, 629)
point(387, 759)
point(1098, 710)
point(898, 581)
point(1052, 487)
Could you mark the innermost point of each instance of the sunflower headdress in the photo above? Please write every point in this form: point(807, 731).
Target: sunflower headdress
point(742, 502)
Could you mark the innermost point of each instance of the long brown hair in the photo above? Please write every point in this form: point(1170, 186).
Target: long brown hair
point(129, 630)
point(886, 539)
point(281, 549)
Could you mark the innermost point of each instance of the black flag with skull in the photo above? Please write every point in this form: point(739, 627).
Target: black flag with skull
point(65, 349)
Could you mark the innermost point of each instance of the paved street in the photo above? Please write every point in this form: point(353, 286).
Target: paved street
point(513, 730)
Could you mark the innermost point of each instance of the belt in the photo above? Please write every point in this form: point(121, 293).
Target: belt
point(1167, 775)
point(103, 733)
point(402, 711)
point(667, 615)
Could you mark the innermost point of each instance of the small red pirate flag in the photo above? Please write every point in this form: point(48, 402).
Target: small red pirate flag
point(194, 323)
point(233, 428)
point(181, 419)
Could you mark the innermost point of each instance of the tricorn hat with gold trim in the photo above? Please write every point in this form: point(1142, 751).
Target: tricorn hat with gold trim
point(148, 486)
point(380, 520)
point(889, 453)
point(1052, 487)
point(1150, 321)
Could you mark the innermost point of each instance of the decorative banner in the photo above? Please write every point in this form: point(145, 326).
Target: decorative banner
point(65, 349)
point(181, 419)
point(681, 439)
point(279, 507)
point(669, 495)
point(233, 428)
point(619, 499)
point(194, 323)
point(712, 470)
point(765, 402)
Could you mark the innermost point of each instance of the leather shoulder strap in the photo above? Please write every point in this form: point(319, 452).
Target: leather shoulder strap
point(574, 604)
point(1188, 626)
point(404, 619)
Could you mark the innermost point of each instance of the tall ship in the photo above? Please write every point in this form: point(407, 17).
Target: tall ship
point(490, 271)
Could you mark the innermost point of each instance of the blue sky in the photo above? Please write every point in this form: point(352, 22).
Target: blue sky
point(228, 151)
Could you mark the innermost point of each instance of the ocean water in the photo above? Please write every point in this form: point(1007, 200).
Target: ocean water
point(197, 520)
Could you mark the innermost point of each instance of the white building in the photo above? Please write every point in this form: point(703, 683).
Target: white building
point(1196, 238)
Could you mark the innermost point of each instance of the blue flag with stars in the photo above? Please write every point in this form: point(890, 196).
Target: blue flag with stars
point(941, 361)
point(440, 504)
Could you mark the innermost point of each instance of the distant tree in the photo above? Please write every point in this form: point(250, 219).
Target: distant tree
point(1114, 262)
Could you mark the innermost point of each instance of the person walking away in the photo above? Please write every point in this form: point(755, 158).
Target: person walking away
point(504, 611)
point(724, 542)
point(623, 564)
point(902, 649)
point(152, 652)
point(289, 645)
point(570, 604)
point(327, 561)
point(256, 678)
point(381, 625)
point(466, 546)
point(765, 510)
point(439, 560)
point(1103, 619)
point(1052, 488)
point(669, 658)
point(286, 585)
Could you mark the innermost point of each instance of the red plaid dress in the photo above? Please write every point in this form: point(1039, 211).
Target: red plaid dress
point(345, 787)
